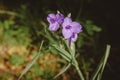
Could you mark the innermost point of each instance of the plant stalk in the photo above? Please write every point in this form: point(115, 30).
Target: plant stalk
point(78, 69)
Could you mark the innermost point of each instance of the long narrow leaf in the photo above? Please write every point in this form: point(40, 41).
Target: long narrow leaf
point(96, 72)
point(64, 57)
point(105, 60)
point(71, 48)
point(98, 77)
point(101, 66)
point(64, 52)
point(63, 70)
point(31, 63)
point(106, 56)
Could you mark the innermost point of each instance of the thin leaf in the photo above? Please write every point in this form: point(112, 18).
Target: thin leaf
point(105, 60)
point(71, 48)
point(31, 63)
point(63, 70)
point(63, 52)
point(96, 72)
point(99, 70)
point(64, 57)
point(98, 78)
point(10, 13)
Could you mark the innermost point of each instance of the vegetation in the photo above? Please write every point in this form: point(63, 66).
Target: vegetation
point(21, 32)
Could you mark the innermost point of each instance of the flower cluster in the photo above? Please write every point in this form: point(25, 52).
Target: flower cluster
point(70, 28)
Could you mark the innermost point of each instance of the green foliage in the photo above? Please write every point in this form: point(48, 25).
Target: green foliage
point(63, 53)
point(26, 27)
point(16, 59)
point(38, 72)
point(13, 33)
point(48, 74)
point(63, 70)
point(91, 28)
point(29, 77)
point(6, 24)
point(31, 63)
point(3, 77)
point(100, 68)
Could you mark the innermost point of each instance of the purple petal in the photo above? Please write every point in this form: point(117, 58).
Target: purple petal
point(66, 33)
point(60, 18)
point(54, 27)
point(51, 18)
point(76, 27)
point(69, 41)
point(74, 37)
point(66, 22)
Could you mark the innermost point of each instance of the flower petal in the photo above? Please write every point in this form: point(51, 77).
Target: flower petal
point(51, 18)
point(54, 27)
point(60, 18)
point(76, 27)
point(66, 33)
point(74, 37)
point(67, 21)
point(69, 41)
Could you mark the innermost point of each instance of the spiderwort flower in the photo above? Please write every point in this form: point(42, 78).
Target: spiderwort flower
point(70, 30)
point(55, 20)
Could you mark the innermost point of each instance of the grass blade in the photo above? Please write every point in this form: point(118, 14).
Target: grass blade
point(64, 57)
point(100, 68)
point(63, 70)
point(31, 63)
point(105, 60)
point(96, 72)
point(63, 52)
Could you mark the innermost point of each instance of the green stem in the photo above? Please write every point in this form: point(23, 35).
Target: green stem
point(78, 69)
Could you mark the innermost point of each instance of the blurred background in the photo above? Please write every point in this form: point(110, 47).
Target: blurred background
point(23, 26)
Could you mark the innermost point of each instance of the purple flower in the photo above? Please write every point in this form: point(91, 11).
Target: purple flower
point(71, 29)
point(55, 21)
